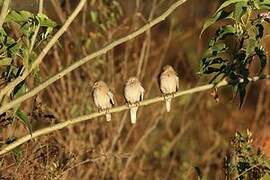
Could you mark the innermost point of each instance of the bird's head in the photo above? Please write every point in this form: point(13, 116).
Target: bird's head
point(98, 84)
point(133, 80)
point(168, 68)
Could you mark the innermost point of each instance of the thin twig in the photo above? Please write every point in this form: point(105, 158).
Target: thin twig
point(78, 63)
point(43, 53)
point(4, 12)
point(66, 123)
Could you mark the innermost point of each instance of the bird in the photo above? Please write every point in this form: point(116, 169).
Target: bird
point(169, 84)
point(103, 97)
point(133, 93)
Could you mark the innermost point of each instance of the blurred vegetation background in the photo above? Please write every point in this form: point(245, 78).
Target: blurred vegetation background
point(190, 141)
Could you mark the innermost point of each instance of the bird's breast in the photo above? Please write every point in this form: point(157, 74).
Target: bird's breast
point(132, 93)
point(168, 84)
point(102, 100)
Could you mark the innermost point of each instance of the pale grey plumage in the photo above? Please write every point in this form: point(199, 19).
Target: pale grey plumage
point(133, 93)
point(103, 97)
point(169, 84)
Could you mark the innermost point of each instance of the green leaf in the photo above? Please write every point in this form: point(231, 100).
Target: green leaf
point(2, 31)
point(24, 119)
point(19, 17)
point(263, 4)
point(22, 116)
point(228, 3)
point(94, 16)
point(224, 31)
point(5, 61)
point(45, 21)
point(17, 154)
point(9, 47)
point(239, 9)
point(215, 18)
point(250, 45)
point(47, 33)
point(19, 90)
point(215, 49)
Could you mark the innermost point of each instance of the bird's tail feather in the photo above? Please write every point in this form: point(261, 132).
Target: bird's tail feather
point(168, 104)
point(133, 114)
point(108, 117)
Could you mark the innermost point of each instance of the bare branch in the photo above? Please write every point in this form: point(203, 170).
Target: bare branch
point(4, 12)
point(65, 123)
point(78, 63)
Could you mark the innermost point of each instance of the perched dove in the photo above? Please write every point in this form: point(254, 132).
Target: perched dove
point(169, 84)
point(103, 97)
point(133, 93)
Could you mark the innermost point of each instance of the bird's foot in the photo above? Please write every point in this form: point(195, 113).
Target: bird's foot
point(129, 104)
point(137, 103)
point(166, 96)
point(173, 94)
point(106, 110)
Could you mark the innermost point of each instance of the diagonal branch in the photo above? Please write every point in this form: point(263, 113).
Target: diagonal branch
point(43, 53)
point(91, 116)
point(4, 12)
point(80, 62)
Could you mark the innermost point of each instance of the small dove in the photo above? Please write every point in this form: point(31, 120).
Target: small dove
point(133, 93)
point(169, 84)
point(103, 97)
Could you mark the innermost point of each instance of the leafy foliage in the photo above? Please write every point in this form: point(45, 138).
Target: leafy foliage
point(18, 50)
point(246, 162)
point(238, 43)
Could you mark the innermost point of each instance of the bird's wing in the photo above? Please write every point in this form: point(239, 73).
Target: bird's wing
point(142, 93)
point(159, 81)
point(93, 94)
point(125, 93)
point(110, 94)
point(177, 82)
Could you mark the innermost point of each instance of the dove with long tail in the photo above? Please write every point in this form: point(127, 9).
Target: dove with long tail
point(103, 97)
point(169, 84)
point(133, 93)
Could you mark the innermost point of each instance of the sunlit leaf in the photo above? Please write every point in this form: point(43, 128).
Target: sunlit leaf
point(24, 119)
point(224, 31)
point(212, 20)
point(263, 4)
point(45, 21)
point(240, 9)
point(5, 62)
point(19, 17)
point(19, 90)
point(228, 3)
point(94, 16)
point(250, 45)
